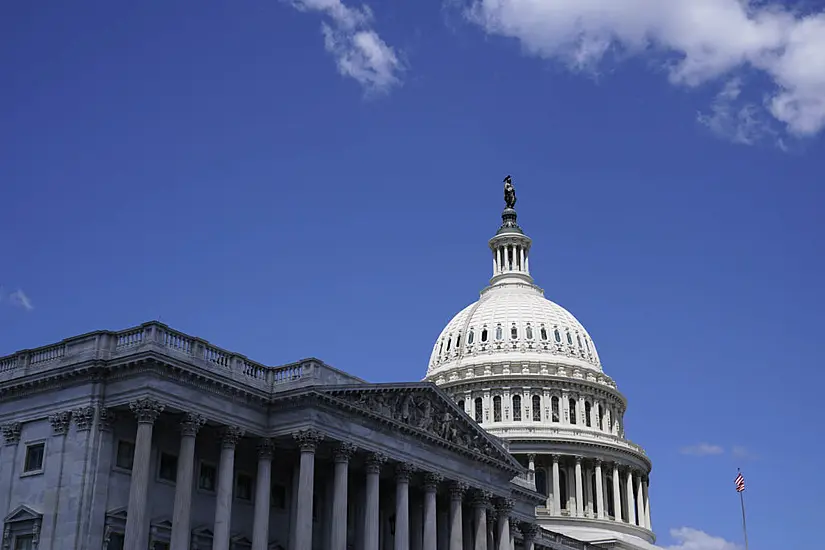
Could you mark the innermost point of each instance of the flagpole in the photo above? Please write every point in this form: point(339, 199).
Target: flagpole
point(744, 524)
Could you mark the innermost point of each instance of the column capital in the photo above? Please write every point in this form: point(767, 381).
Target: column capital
point(146, 409)
point(432, 480)
point(504, 506)
point(191, 423)
point(105, 418)
point(481, 499)
point(343, 452)
point(579, 460)
point(597, 462)
point(457, 490)
point(374, 462)
point(60, 422)
point(556, 458)
point(529, 531)
point(515, 525)
point(308, 439)
point(11, 433)
point(265, 448)
point(83, 418)
point(230, 435)
point(531, 456)
point(403, 471)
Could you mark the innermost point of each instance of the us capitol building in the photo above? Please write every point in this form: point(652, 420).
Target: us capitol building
point(149, 438)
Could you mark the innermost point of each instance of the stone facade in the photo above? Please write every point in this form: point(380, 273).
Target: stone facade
point(149, 438)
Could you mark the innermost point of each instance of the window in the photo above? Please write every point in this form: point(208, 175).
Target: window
point(529, 332)
point(449, 342)
point(601, 417)
point(168, 467)
point(569, 338)
point(543, 333)
point(572, 404)
point(484, 335)
point(556, 335)
point(441, 348)
point(458, 341)
point(24, 542)
point(125, 455)
point(587, 345)
point(536, 408)
point(243, 487)
point(34, 457)
point(499, 333)
point(579, 339)
point(479, 409)
point(517, 408)
point(115, 542)
point(470, 336)
point(554, 406)
point(277, 496)
point(461, 404)
point(587, 409)
point(206, 477)
point(497, 408)
point(513, 332)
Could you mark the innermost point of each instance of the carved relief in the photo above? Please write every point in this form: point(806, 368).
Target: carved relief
point(308, 439)
point(146, 410)
point(343, 452)
point(191, 423)
point(230, 435)
point(11, 433)
point(60, 422)
point(83, 418)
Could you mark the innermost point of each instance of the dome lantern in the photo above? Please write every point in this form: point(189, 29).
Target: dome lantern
point(510, 246)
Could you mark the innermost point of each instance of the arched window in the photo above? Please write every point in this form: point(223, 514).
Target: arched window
point(449, 341)
point(569, 338)
point(441, 348)
point(543, 333)
point(497, 408)
point(517, 408)
point(513, 332)
point(594, 492)
point(458, 341)
point(536, 408)
point(554, 406)
point(499, 333)
point(601, 417)
point(470, 336)
point(572, 405)
point(557, 335)
point(563, 488)
point(479, 409)
point(484, 334)
point(587, 409)
point(461, 404)
point(529, 332)
point(610, 424)
point(586, 344)
point(579, 340)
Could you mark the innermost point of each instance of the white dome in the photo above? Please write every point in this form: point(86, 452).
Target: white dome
point(520, 324)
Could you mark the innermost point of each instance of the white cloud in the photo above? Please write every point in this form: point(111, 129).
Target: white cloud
point(704, 39)
point(702, 449)
point(743, 453)
point(743, 123)
point(358, 50)
point(693, 539)
point(19, 298)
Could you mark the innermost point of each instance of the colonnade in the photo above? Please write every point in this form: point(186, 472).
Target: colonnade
point(591, 488)
point(489, 527)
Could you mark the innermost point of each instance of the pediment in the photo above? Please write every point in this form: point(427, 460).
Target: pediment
point(240, 539)
point(202, 531)
point(117, 513)
point(162, 523)
point(424, 409)
point(23, 513)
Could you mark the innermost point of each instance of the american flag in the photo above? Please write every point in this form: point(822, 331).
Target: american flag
point(739, 482)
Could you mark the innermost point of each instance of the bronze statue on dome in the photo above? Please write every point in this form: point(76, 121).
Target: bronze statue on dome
point(509, 193)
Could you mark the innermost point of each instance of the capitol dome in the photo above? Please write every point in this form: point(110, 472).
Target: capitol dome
point(528, 372)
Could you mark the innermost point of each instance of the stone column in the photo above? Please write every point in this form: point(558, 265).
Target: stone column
point(341, 456)
point(556, 487)
point(53, 461)
point(230, 435)
point(481, 500)
point(640, 503)
point(503, 509)
point(457, 490)
point(599, 491)
point(617, 494)
point(645, 490)
point(631, 505)
point(579, 493)
point(403, 471)
point(136, 537)
point(588, 492)
point(416, 521)
point(11, 439)
point(514, 528)
point(371, 512)
point(182, 513)
point(431, 481)
point(529, 532)
point(263, 486)
point(308, 441)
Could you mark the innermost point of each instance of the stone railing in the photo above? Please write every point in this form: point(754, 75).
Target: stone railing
point(526, 480)
point(153, 336)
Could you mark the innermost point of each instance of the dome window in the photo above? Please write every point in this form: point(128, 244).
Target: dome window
point(579, 339)
point(499, 332)
point(484, 334)
point(569, 338)
point(529, 332)
point(470, 336)
point(478, 407)
point(536, 408)
point(458, 341)
point(554, 407)
point(543, 333)
point(497, 408)
point(557, 335)
point(572, 405)
point(517, 408)
point(587, 344)
point(441, 348)
point(513, 333)
point(601, 416)
point(449, 341)
point(587, 409)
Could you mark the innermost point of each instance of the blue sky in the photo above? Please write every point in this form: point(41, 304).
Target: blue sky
point(320, 179)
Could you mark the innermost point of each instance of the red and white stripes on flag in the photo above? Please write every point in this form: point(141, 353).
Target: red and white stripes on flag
point(739, 482)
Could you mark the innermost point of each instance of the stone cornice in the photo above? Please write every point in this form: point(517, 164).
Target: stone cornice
point(589, 450)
